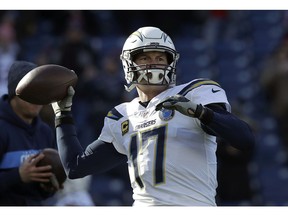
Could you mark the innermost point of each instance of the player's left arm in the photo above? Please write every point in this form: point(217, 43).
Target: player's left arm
point(215, 120)
point(219, 122)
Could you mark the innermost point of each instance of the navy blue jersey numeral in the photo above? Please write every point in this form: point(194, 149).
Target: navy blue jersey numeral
point(158, 134)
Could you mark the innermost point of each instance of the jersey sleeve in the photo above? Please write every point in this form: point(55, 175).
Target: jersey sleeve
point(109, 130)
point(205, 92)
point(106, 135)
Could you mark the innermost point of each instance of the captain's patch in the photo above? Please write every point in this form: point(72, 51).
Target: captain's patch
point(125, 127)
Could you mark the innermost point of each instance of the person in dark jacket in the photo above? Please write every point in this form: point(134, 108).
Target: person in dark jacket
point(22, 136)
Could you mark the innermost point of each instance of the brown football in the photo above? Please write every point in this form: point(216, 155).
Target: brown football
point(52, 158)
point(46, 84)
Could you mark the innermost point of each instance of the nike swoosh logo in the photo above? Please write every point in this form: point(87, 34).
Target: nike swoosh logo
point(214, 91)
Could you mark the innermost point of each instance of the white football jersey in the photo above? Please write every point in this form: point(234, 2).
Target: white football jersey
point(171, 160)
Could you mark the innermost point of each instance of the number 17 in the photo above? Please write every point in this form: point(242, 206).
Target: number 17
point(159, 134)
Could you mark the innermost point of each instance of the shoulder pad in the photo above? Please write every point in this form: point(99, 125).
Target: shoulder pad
point(195, 84)
point(114, 114)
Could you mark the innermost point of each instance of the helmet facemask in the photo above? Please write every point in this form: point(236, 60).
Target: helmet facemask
point(150, 74)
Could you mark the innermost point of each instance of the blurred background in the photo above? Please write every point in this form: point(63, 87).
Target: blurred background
point(245, 51)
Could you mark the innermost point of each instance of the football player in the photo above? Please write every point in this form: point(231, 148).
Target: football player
point(166, 135)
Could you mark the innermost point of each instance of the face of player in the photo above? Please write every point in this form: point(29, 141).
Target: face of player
point(25, 110)
point(154, 59)
point(154, 64)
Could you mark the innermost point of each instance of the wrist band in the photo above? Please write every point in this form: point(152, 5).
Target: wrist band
point(64, 119)
point(206, 116)
point(199, 111)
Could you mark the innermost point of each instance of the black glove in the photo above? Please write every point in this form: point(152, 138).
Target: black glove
point(182, 105)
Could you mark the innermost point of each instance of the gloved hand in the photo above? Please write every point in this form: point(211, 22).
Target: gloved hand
point(65, 104)
point(182, 105)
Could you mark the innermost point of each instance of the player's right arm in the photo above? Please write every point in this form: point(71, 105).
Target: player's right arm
point(98, 157)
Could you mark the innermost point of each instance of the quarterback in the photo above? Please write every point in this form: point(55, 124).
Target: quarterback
point(166, 135)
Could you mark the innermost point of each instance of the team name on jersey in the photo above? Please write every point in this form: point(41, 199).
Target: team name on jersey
point(145, 124)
